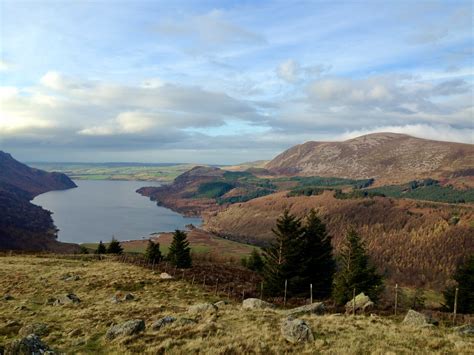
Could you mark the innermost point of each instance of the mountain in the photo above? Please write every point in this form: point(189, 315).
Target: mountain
point(23, 225)
point(386, 157)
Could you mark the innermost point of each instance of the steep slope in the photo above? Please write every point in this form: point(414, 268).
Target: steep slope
point(24, 226)
point(387, 157)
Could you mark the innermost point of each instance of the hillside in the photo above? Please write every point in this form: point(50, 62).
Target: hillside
point(24, 226)
point(33, 283)
point(389, 158)
point(413, 243)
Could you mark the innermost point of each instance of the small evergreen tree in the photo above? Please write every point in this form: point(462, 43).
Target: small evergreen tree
point(281, 255)
point(101, 249)
point(464, 277)
point(114, 247)
point(152, 252)
point(83, 250)
point(179, 252)
point(255, 261)
point(355, 271)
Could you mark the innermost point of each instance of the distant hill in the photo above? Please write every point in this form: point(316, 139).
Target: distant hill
point(24, 226)
point(387, 157)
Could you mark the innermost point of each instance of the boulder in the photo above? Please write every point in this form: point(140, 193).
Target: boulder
point(69, 298)
point(361, 302)
point(160, 323)
point(467, 329)
point(165, 276)
point(255, 303)
point(31, 344)
point(314, 308)
point(39, 329)
point(202, 309)
point(296, 330)
point(417, 319)
point(130, 327)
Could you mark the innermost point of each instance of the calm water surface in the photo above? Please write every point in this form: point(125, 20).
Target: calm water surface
point(98, 210)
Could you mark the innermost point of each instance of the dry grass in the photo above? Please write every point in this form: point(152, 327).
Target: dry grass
point(31, 280)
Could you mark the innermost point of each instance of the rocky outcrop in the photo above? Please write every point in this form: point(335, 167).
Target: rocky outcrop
point(31, 344)
point(361, 303)
point(314, 308)
point(130, 327)
point(296, 330)
point(202, 309)
point(255, 303)
point(417, 319)
point(160, 323)
point(69, 298)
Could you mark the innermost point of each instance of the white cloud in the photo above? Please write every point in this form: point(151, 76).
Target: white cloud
point(292, 72)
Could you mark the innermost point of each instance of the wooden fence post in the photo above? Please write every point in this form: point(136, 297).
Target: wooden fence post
point(261, 290)
point(455, 305)
point(311, 293)
point(284, 298)
point(396, 298)
point(354, 301)
point(217, 285)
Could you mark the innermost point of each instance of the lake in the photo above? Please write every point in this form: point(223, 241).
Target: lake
point(99, 209)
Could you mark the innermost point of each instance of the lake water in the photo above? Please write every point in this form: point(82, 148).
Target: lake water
point(98, 210)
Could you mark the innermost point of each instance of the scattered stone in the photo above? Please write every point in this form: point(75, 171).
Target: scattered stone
point(202, 308)
point(120, 297)
point(162, 322)
point(10, 328)
point(255, 303)
point(70, 277)
point(314, 308)
point(8, 297)
point(362, 304)
point(69, 298)
point(130, 327)
point(31, 344)
point(417, 319)
point(296, 330)
point(165, 276)
point(466, 329)
point(40, 329)
point(220, 304)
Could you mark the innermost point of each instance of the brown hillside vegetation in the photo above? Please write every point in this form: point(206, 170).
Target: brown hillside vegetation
point(388, 157)
point(413, 243)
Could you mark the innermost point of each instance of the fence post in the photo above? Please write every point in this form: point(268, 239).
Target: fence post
point(311, 293)
point(217, 285)
point(192, 282)
point(182, 276)
point(261, 290)
point(286, 286)
point(243, 295)
point(396, 298)
point(455, 305)
point(354, 301)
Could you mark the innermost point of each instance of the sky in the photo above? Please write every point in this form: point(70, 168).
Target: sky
point(224, 82)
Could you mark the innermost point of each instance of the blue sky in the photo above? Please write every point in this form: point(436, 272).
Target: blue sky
point(228, 81)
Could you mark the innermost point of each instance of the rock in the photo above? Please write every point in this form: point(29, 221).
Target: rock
point(417, 319)
point(314, 308)
point(362, 304)
point(202, 308)
point(467, 329)
point(296, 330)
point(31, 344)
point(39, 329)
point(255, 303)
point(162, 322)
point(70, 277)
point(165, 276)
point(10, 328)
point(220, 304)
point(130, 327)
point(8, 297)
point(119, 297)
point(69, 298)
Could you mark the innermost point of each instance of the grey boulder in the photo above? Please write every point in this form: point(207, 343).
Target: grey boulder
point(296, 330)
point(130, 327)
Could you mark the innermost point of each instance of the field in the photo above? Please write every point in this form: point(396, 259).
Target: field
point(117, 171)
point(200, 242)
point(81, 328)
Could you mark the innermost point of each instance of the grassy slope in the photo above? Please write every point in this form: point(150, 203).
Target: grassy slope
point(32, 280)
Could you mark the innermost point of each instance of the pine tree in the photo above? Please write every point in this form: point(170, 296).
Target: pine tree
point(179, 252)
point(114, 247)
point(152, 252)
point(355, 271)
point(101, 248)
point(464, 277)
point(255, 261)
point(317, 265)
point(281, 255)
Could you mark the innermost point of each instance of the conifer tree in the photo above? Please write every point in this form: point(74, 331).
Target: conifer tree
point(317, 265)
point(114, 247)
point(179, 251)
point(255, 261)
point(152, 252)
point(464, 277)
point(355, 271)
point(101, 249)
point(281, 255)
